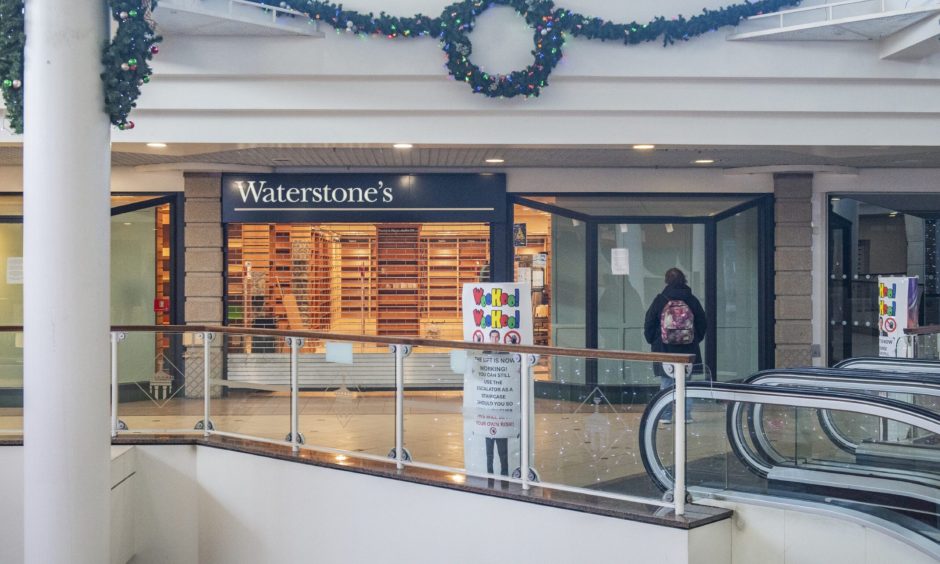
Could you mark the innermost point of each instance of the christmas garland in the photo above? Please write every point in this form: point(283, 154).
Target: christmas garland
point(126, 56)
point(125, 59)
point(549, 23)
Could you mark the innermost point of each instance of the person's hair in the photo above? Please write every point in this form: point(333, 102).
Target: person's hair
point(675, 277)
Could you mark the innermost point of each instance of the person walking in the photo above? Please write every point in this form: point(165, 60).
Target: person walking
point(675, 323)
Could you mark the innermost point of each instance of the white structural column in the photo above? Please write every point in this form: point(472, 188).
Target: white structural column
point(66, 177)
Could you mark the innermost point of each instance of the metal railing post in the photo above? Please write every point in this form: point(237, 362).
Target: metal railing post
point(206, 378)
point(116, 337)
point(399, 405)
point(678, 415)
point(295, 344)
point(524, 407)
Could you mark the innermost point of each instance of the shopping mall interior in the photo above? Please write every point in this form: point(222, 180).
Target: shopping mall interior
point(321, 284)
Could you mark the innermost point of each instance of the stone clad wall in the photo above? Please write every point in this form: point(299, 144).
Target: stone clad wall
point(793, 264)
point(204, 275)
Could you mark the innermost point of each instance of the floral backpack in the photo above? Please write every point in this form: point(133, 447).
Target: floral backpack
point(677, 324)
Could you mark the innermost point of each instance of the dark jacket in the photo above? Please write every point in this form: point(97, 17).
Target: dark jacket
point(651, 328)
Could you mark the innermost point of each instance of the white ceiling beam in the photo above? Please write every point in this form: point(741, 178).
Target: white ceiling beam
point(915, 42)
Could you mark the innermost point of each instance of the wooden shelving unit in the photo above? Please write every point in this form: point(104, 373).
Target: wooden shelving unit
point(386, 279)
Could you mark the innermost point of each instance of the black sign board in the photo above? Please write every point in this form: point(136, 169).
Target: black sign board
point(300, 198)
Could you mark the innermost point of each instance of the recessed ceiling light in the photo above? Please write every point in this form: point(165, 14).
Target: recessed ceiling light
point(157, 145)
point(704, 161)
point(403, 145)
point(495, 161)
point(644, 147)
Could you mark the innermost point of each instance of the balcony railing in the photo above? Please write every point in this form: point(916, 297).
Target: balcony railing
point(400, 400)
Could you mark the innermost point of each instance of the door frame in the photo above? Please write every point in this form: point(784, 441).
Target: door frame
point(764, 203)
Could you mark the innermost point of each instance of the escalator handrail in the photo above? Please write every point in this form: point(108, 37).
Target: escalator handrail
point(774, 395)
point(918, 383)
point(903, 364)
point(927, 379)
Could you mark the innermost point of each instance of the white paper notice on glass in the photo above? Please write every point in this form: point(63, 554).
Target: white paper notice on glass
point(620, 261)
point(524, 275)
point(14, 270)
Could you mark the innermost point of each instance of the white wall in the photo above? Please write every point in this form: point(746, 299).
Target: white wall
point(775, 535)
point(255, 509)
point(123, 179)
point(11, 508)
point(707, 91)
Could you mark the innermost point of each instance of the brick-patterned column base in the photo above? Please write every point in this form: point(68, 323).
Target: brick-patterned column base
point(793, 265)
point(203, 234)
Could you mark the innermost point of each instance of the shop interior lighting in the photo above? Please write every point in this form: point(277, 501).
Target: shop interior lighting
point(644, 147)
point(893, 214)
point(836, 199)
point(402, 145)
point(157, 145)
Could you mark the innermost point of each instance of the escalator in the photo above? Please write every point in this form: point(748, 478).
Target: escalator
point(861, 443)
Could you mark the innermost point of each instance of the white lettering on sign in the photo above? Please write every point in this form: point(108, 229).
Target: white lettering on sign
point(259, 192)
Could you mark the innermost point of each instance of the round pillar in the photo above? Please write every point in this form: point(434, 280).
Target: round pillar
point(66, 249)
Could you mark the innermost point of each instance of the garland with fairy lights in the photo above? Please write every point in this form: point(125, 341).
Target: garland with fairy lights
point(125, 59)
point(550, 25)
point(126, 56)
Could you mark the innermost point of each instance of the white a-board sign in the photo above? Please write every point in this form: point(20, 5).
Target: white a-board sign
point(898, 304)
point(494, 313)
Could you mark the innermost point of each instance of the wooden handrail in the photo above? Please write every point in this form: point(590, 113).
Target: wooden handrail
point(925, 330)
point(413, 341)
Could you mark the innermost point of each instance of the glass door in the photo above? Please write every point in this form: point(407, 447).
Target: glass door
point(632, 259)
point(737, 295)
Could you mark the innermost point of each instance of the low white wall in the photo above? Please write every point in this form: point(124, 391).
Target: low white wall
point(254, 509)
point(772, 535)
point(11, 508)
point(200, 505)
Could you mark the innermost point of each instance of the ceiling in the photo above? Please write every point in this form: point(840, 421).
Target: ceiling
point(473, 157)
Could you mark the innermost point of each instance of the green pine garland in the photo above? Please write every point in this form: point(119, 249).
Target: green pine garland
point(126, 56)
point(550, 24)
point(12, 39)
point(125, 59)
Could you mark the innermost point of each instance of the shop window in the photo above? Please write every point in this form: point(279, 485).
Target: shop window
point(399, 279)
point(872, 235)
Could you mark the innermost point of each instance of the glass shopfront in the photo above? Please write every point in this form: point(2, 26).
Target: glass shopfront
point(872, 235)
point(604, 258)
point(143, 271)
point(358, 254)
point(388, 255)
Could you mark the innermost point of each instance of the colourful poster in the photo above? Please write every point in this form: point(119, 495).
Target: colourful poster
point(497, 312)
point(494, 313)
point(898, 304)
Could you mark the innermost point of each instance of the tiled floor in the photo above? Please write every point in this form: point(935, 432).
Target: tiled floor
point(577, 445)
point(574, 444)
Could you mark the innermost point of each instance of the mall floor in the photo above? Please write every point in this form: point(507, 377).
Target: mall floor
point(575, 444)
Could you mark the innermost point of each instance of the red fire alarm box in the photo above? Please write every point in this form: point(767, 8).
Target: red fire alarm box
point(161, 305)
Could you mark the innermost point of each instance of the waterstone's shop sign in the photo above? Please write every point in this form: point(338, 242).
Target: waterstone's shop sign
point(260, 198)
